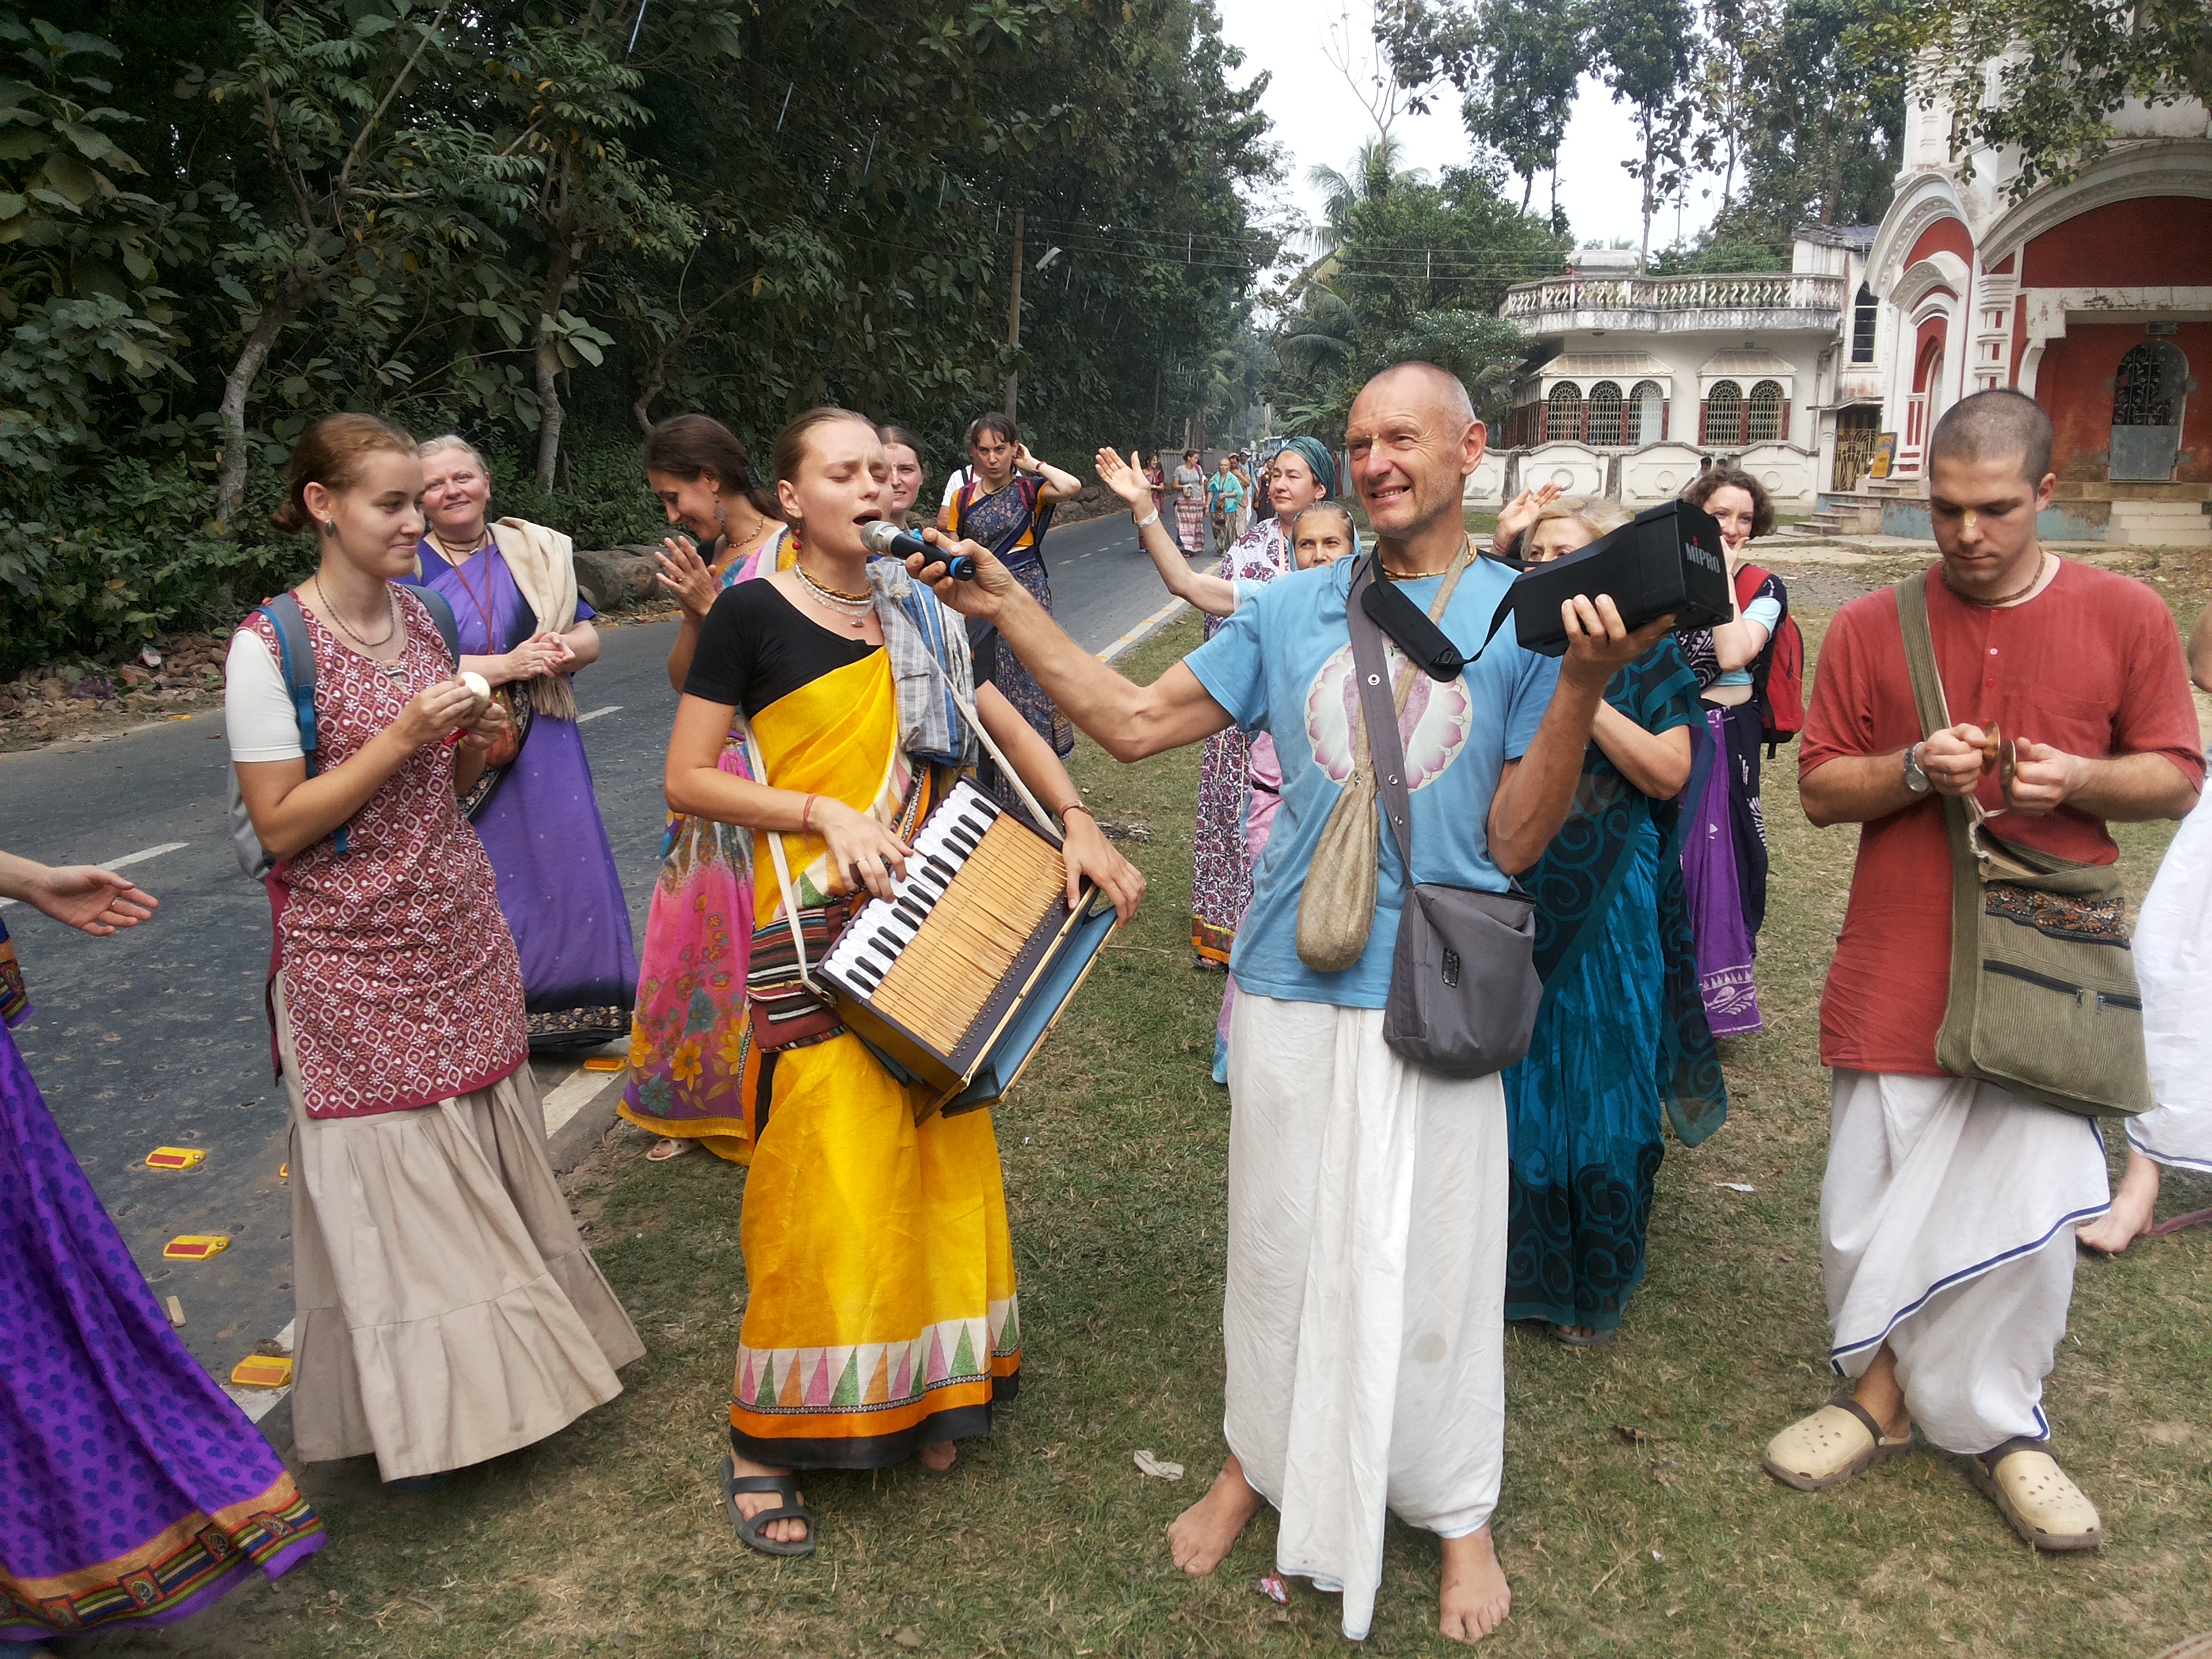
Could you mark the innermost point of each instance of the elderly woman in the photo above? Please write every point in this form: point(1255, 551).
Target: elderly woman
point(1007, 504)
point(512, 588)
point(1724, 858)
point(1620, 1029)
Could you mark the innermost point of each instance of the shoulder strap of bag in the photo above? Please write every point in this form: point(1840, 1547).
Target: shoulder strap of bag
point(782, 869)
point(1920, 655)
point(1379, 708)
point(441, 613)
point(295, 660)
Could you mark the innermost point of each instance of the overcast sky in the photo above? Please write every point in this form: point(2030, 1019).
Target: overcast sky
point(1318, 120)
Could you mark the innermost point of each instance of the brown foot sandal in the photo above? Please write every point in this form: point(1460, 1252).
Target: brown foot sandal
point(2031, 1491)
point(1835, 1443)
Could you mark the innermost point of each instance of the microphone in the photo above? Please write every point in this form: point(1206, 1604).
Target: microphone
point(887, 541)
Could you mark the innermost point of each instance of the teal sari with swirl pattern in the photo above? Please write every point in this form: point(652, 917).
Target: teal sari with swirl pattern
point(1621, 1032)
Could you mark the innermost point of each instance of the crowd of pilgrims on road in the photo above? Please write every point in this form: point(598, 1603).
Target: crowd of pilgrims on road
point(445, 903)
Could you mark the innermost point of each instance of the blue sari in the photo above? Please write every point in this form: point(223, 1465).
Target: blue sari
point(1621, 1030)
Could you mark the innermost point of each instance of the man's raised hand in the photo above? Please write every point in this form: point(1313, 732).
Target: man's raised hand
point(1598, 644)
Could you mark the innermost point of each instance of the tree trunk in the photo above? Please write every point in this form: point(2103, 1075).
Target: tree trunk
point(1014, 318)
point(1528, 188)
point(550, 414)
point(1650, 170)
point(237, 386)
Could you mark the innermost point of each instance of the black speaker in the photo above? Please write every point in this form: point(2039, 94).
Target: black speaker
point(1669, 559)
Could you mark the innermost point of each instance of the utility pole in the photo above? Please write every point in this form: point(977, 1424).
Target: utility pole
point(1014, 318)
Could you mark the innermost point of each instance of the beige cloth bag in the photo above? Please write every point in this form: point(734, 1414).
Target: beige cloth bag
point(1336, 907)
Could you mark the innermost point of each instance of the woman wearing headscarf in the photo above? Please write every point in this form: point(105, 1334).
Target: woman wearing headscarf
point(513, 588)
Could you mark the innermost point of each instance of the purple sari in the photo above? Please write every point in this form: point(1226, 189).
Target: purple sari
point(137, 1493)
point(540, 823)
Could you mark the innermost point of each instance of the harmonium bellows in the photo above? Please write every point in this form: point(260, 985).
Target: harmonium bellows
point(957, 979)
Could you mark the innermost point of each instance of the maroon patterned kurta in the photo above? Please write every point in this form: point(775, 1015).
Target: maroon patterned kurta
point(400, 977)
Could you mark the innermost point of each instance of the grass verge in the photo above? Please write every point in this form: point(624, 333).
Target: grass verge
point(1634, 1519)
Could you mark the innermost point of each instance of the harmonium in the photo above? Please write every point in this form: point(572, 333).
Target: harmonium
point(958, 978)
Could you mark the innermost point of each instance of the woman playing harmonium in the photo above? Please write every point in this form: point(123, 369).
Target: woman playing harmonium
point(882, 1318)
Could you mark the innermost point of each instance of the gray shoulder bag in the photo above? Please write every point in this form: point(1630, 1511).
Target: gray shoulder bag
point(1463, 984)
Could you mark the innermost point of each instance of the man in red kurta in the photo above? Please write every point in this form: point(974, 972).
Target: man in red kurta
point(1949, 1210)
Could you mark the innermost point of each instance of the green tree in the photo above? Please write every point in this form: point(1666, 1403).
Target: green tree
point(1644, 46)
point(2044, 75)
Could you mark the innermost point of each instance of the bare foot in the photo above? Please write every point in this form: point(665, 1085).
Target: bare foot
point(938, 1456)
point(1203, 1534)
point(2132, 1208)
point(1476, 1597)
point(750, 1504)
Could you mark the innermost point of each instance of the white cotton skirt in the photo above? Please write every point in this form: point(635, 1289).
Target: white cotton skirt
point(1364, 1322)
point(2174, 960)
point(447, 1310)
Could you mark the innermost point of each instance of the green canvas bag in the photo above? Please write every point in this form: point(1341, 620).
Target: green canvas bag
point(2043, 999)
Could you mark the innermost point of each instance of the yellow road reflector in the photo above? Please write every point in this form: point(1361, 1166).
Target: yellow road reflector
point(176, 1312)
point(196, 1246)
point(261, 1370)
point(606, 1063)
point(175, 1158)
point(284, 1172)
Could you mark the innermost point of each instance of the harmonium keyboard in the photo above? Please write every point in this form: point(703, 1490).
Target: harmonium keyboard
point(958, 978)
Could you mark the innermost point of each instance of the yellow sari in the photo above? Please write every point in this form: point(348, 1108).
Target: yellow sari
point(883, 1315)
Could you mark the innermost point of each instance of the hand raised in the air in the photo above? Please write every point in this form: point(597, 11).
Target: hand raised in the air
point(1126, 479)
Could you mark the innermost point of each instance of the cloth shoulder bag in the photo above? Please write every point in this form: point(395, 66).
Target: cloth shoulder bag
point(1463, 985)
point(2043, 999)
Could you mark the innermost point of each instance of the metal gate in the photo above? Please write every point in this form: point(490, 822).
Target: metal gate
point(2147, 396)
point(1857, 429)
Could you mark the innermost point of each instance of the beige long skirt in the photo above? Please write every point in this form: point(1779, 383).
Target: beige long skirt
point(448, 1311)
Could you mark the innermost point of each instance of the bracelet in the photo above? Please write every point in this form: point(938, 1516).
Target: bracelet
point(1149, 520)
point(1077, 806)
point(806, 815)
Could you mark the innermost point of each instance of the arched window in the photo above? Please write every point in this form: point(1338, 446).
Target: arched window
point(1564, 422)
point(1862, 315)
point(2144, 392)
point(1646, 414)
point(1604, 415)
point(1764, 426)
point(1723, 418)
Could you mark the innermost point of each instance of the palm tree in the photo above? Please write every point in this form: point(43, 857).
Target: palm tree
point(1375, 171)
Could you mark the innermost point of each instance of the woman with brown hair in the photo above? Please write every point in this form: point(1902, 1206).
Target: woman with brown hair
point(447, 1310)
point(908, 470)
point(1724, 858)
point(691, 975)
point(881, 1321)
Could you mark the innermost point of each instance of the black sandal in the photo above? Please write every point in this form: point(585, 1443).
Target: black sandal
point(749, 1528)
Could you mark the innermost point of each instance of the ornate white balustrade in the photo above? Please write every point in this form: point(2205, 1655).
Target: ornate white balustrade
point(1676, 305)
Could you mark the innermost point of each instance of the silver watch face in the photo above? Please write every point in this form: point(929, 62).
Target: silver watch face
point(1916, 776)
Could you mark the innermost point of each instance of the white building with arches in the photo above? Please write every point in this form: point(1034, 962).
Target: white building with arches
point(2094, 297)
point(1633, 383)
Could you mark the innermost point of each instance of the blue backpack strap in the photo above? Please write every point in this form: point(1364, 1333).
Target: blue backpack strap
point(441, 612)
point(295, 660)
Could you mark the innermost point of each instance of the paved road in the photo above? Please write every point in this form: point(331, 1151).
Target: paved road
point(156, 1036)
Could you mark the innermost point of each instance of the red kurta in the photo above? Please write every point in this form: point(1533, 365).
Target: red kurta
point(2091, 665)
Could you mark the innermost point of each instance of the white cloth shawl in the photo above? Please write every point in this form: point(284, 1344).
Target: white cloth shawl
point(543, 565)
point(2174, 960)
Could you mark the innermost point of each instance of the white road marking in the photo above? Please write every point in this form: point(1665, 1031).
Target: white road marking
point(138, 857)
point(596, 713)
point(568, 1097)
point(1143, 631)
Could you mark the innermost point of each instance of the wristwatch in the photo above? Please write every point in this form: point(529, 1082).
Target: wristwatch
point(1916, 776)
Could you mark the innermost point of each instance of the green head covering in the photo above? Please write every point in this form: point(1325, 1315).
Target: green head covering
point(1315, 455)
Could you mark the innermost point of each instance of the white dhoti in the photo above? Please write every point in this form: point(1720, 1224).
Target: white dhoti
point(2174, 960)
point(1946, 1229)
point(1365, 1317)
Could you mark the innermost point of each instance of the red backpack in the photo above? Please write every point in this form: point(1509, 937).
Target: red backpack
point(1777, 678)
